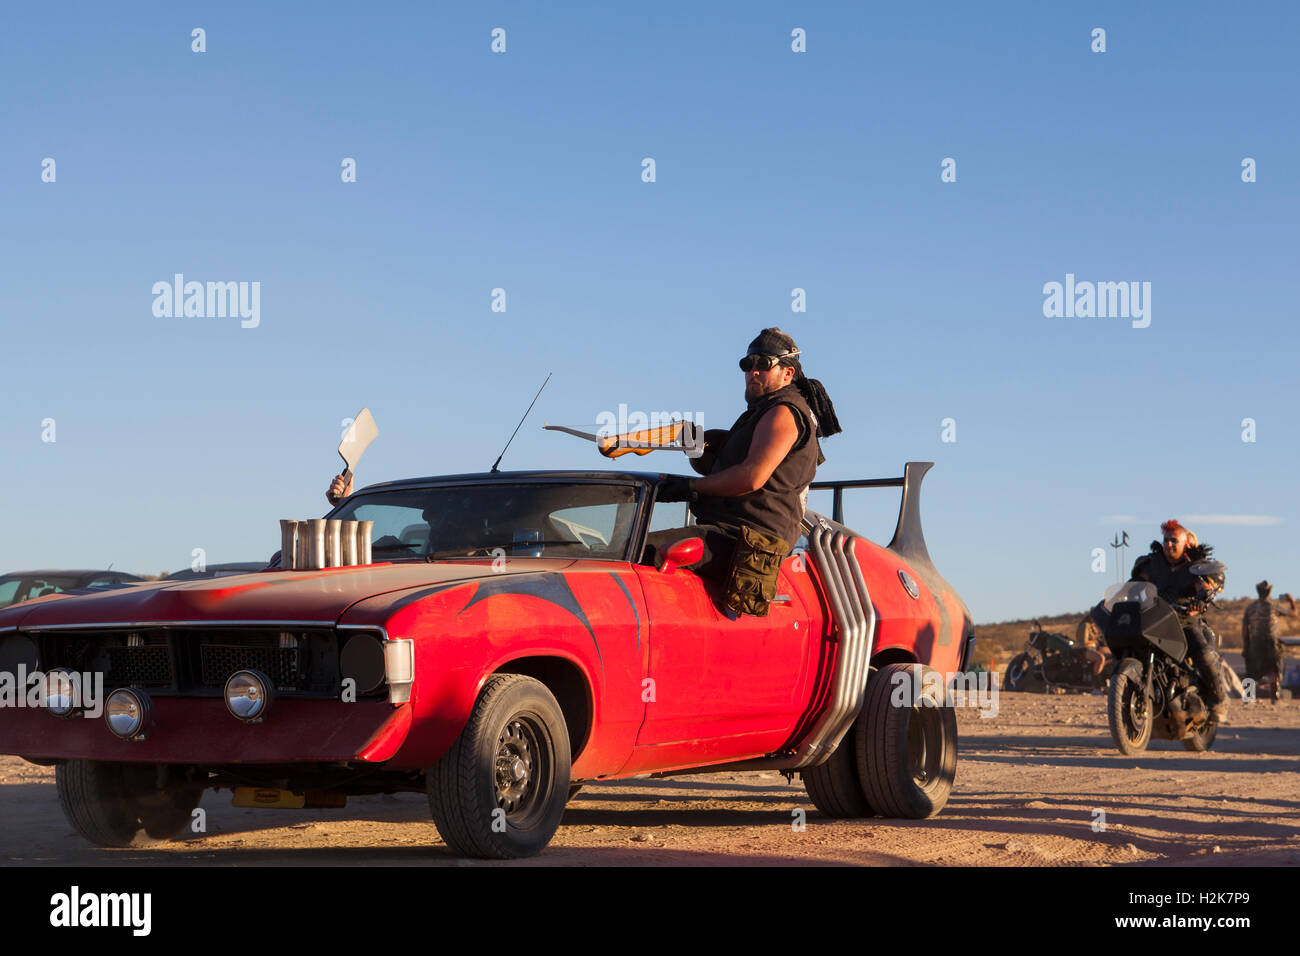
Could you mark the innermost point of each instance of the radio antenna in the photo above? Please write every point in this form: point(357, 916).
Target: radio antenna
point(521, 423)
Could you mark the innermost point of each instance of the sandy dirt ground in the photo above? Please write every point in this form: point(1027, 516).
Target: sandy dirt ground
point(1031, 785)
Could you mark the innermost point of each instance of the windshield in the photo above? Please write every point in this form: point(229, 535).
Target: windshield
point(525, 519)
point(13, 590)
point(1141, 591)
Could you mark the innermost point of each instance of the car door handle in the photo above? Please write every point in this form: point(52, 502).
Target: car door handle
point(781, 599)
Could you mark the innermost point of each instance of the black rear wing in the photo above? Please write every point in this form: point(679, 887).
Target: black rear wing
point(908, 539)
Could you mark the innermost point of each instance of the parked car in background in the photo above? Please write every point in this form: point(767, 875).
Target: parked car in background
point(216, 571)
point(25, 585)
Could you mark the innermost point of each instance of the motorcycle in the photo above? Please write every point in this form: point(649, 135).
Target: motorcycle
point(1155, 685)
point(1050, 662)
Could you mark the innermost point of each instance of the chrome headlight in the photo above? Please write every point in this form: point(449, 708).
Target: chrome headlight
point(62, 691)
point(249, 695)
point(128, 713)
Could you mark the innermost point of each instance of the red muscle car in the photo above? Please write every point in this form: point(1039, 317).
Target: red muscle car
point(505, 644)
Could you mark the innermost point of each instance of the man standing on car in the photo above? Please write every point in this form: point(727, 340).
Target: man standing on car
point(1167, 566)
point(751, 498)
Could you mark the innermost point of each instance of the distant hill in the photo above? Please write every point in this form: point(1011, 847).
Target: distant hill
point(996, 644)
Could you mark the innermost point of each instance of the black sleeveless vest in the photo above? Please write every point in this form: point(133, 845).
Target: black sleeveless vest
point(777, 507)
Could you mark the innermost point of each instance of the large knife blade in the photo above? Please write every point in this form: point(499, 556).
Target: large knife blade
point(356, 440)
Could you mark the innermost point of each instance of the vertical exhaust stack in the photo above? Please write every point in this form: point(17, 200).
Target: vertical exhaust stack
point(364, 529)
point(288, 543)
point(333, 543)
point(348, 538)
point(315, 543)
point(319, 543)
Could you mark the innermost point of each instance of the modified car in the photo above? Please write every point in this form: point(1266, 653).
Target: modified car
point(502, 643)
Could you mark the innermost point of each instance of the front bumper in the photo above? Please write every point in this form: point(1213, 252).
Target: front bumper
point(201, 731)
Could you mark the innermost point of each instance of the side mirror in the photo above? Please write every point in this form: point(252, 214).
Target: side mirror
point(686, 551)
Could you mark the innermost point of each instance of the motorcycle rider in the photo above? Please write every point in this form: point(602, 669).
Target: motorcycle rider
point(1088, 639)
point(1167, 567)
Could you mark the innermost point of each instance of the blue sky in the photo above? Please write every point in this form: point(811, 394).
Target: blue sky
point(775, 170)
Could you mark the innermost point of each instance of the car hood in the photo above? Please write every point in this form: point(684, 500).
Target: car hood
point(318, 596)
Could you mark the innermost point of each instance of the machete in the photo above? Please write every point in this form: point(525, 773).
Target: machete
point(645, 440)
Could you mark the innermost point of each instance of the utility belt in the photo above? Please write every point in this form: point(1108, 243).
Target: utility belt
point(751, 581)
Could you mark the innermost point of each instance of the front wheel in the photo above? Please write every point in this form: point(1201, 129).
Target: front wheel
point(906, 742)
point(1022, 675)
point(1127, 708)
point(1203, 739)
point(500, 791)
point(124, 804)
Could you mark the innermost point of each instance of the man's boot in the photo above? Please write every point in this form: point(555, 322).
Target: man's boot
point(1209, 667)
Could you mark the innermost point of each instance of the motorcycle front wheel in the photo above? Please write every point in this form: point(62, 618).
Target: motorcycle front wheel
point(1022, 675)
point(1203, 739)
point(1127, 708)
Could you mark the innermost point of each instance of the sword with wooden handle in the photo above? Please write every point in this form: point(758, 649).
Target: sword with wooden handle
point(675, 436)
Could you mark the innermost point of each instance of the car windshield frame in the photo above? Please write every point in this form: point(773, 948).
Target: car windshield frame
point(636, 530)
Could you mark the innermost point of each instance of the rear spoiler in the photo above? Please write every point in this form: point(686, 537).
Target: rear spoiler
point(908, 540)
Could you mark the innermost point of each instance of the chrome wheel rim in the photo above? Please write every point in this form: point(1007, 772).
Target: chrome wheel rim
point(522, 769)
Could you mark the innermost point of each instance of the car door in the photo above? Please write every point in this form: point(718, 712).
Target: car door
point(722, 686)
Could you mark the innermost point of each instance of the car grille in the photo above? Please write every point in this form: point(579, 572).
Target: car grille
point(139, 666)
point(199, 661)
point(219, 661)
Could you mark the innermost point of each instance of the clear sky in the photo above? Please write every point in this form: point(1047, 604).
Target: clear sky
point(774, 170)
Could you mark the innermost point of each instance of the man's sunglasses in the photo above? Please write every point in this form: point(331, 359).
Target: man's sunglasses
point(762, 362)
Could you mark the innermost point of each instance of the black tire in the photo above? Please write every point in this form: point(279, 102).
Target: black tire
point(1202, 740)
point(1127, 693)
point(906, 755)
point(1022, 675)
point(120, 804)
point(1015, 672)
point(480, 810)
point(834, 787)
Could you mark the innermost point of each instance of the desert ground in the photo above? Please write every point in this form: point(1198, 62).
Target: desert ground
point(1039, 784)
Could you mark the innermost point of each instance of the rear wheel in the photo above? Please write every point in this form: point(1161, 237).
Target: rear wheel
point(500, 791)
point(122, 804)
point(834, 786)
point(1127, 708)
point(906, 744)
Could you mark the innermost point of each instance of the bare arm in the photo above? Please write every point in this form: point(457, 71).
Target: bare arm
point(773, 438)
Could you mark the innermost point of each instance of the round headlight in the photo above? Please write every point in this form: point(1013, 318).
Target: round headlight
point(62, 690)
point(127, 713)
point(248, 695)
